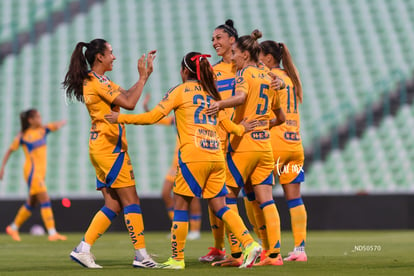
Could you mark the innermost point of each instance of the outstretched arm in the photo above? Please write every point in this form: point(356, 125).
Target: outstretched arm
point(238, 99)
point(147, 118)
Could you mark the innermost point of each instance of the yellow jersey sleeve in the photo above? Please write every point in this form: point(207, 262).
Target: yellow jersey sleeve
point(147, 118)
point(104, 88)
point(171, 100)
point(166, 121)
point(229, 126)
point(241, 84)
point(16, 143)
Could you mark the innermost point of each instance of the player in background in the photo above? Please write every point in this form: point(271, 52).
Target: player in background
point(201, 162)
point(167, 187)
point(286, 141)
point(249, 158)
point(108, 145)
point(32, 138)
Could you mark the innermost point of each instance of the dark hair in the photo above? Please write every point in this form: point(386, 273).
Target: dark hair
point(228, 27)
point(280, 53)
point(24, 118)
point(249, 43)
point(78, 69)
point(204, 70)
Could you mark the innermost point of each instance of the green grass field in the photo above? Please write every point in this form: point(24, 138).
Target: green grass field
point(329, 253)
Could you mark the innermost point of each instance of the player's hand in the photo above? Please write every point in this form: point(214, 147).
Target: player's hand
point(249, 125)
point(276, 83)
point(112, 117)
point(145, 65)
point(146, 101)
point(213, 109)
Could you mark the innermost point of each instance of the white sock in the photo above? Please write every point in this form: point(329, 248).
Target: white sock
point(14, 227)
point(141, 254)
point(83, 247)
point(51, 231)
point(299, 249)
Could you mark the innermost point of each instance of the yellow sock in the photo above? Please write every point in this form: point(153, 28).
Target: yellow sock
point(235, 245)
point(99, 224)
point(23, 214)
point(170, 213)
point(272, 219)
point(261, 224)
point(217, 228)
point(250, 213)
point(298, 218)
point(47, 215)
point(179, 231)
point(135, 225)
point(195, 222)
point(234, 222)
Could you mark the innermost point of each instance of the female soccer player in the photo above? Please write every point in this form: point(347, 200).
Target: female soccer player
point(167, 187)
point(286, 141)
point(108, 145)
point(249, 158)
point(201, 170)
point(32, 138)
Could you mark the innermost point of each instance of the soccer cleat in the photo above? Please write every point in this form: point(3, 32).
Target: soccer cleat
point(57, 237)
point(270, 261)
point(193, 235)
point(145, 263)
point(229, 261)
point(84, 259)
point(214, 255)
point(13, 233)
point(297, 256)
point(263, 255)
point(251, 253)
point(172, 264)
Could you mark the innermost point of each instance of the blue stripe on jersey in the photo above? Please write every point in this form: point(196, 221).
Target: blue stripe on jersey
point(300, 178)
point(119, 143)
point(99, 184)
point(116, 168)
point(224, 85)
point(181, 215)
point(30, 178)
point(189, 178)
point(268, 180)
point(34, 145)
point(234, 171)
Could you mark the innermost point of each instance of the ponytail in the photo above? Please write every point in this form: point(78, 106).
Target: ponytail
point(280, 53)
point(291, 71)
point(78, 67)
point(200, 69)
point(249, 43)
point(24, 118)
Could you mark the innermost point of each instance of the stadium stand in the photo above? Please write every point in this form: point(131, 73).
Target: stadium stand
point(351, 54)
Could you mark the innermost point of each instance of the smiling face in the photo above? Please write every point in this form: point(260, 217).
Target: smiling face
point(107, 58)
point(239, 58)
point(222, 42)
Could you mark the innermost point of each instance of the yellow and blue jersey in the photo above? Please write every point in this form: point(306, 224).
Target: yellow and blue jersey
point(99, 92)
point(33, 142)
point(197, 132)
point(260, 100)
point(226, 77)
point(287, 135)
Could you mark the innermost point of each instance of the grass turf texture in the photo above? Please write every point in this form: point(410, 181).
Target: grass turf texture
point(329, 253)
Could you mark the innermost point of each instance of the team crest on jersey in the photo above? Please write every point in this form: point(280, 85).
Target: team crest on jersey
point(240, 79)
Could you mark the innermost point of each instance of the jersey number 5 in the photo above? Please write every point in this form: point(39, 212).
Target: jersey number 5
point(262, 108)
